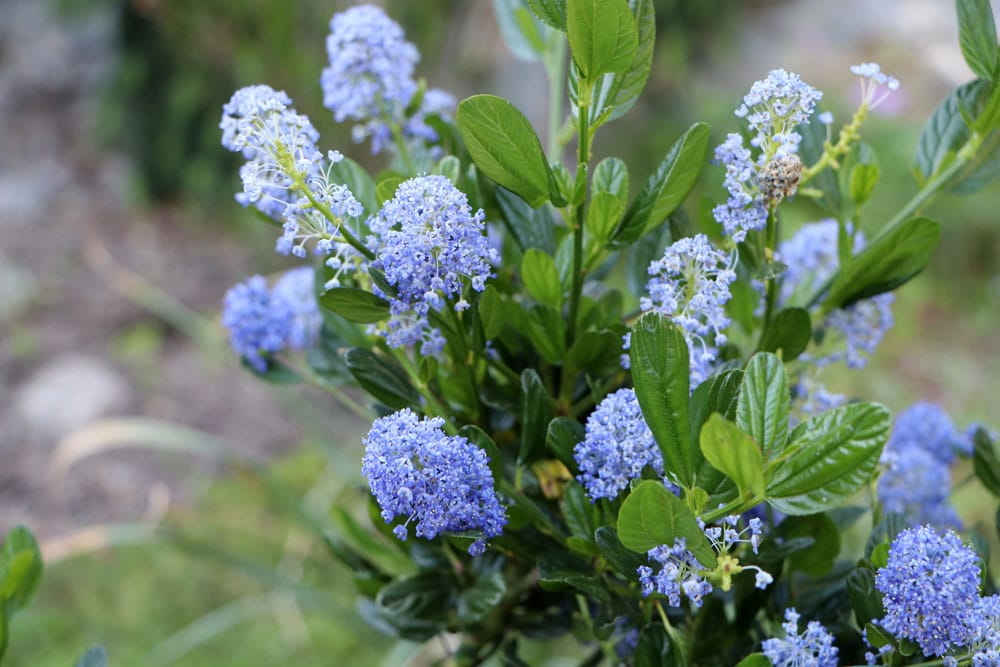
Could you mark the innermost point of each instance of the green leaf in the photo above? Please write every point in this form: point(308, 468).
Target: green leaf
point(717, 394)
point(491, 312)
point(478, 437)
point(602, 35)
point(762, 409)
point(530, 227)
point(666, 187)
point(816, 560)
point(385, 381)
point(831, 456)
point(541, 278)
point(95, 656)
point(977, 35)
point(475, 603)
point(450, 167)
point(886, 263)
point(625, 562)
point(864, 178)
point(866, 601)
point(521, 32)
point(355, 305)
point(587, 582)
point(386, 189)
point(368, 545)
point(20, 568)
point(536, 413)
point(611, 176)
point(986, 461)
point(546, 329)
point(651, 516)
point(560, 439)
point(551, 12)
point(945, 132)
point(581, 514)
point(755, 660)
point(734, 453)
point(789, 332)
point(623, 89)
point(505, 148)
point(416, 606)
point(661, 373)
point(355, 177)
point(603, 214)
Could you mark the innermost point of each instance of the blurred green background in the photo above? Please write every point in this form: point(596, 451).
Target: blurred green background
point(235, 579)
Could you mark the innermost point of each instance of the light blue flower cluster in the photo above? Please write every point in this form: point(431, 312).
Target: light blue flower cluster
point(429, 244)
point(442, 483)
point(811, 256)
point(286, 176)
point(681, 573)
point(813, 648)
point(369, 79)
point(874, 80)
point(772, 108)
point(930, 590)
point(263, 322)
point(917, 481)
point(690, 284)
point(617, 446)
point(985, 644)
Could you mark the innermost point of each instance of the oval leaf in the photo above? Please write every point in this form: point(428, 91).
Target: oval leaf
point(734, 453)
point(536, 413)
point(977, 35)
point(602, 35)
point(541, 278)
point(385, 381)
point(651, 516)
point(789, 332)
point(355, 305)
point(762, 409)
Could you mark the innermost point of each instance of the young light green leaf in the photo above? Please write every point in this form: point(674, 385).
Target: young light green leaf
point(977, 36)
point(541, 278)
point(20, 568)
point(536, 413)
point(505, 147)
point(762, 409)
point(864, 178)
point(551, 12)
point(611, 176)
point(602, 35)
point(651, 516)
point(831, 456)
point(355, 305)
point(666, 187)
point(661, 373)
point(603, 214)
point(734, 453)
point(886, 263)
point(386, 188)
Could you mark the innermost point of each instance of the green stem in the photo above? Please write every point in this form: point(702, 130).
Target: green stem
point(771, 295)
point(583, 158)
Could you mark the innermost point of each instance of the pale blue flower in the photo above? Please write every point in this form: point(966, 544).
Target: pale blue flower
point(812, 648)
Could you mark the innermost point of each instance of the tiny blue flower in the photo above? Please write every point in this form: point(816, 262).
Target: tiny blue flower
point(930, 589)
point(617, 446)
point(874, 80)
point(297, 289)
point(442, 483)
point(258, 324)
point(813, 648)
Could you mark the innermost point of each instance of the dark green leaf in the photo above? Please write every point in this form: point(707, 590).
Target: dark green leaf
point(546, 329)
point(416, 606)
point(719, 394)
point(586, 582)
point(977, 35)
point(491, 312)
point(625, 562)
point(653, 648)
point(530, 227)
point(817, 560)
point(95, 656)
point(541, 278)
point(478, 437)
point(551, 12)
point(592, 348)
point(734, 453)
point(789, 331)
point(945, 132)
point(20, 568)
point(581, 514)
point(385, 381)
point(481, 599)
point(832, 455)
point(866, 601)
point(661, 373)
point(505, 147)
point(355, 305)
point(651, 516)
point(986, 461)
point(602, 35)
point(762, 410)
point(561, 437)
point(536, 413)
point(666, 187)
point(886, 263)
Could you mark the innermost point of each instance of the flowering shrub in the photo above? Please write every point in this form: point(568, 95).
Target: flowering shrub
point(660, 474)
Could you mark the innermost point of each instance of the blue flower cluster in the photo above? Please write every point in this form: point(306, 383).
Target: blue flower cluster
point(286, 176)
point(369, 79)
point(263, 322)
point(690, 284)
point(680, 572)
point(985, 644)
point(813, 648)
point(617, 446)
point(429, 244)
point(772, 108)
point(916, 481)
point(443, 483)
point(872, 81)
point(930, 590)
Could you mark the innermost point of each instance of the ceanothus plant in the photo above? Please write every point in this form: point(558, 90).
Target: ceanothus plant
point(658, 473)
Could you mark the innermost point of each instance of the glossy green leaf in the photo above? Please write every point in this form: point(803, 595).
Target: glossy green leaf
point(667, 187)
point(789, 332)
point(621, 90)
point(977, 36)
point(546, 329)
point(536, 413)
point(20, 568)
point(866, 601)
point(504, 146)
point(651, 516)
point(611, 176)
point(491, 312)
point(530, 227)
point(541, 278)
point(551, 12)
point(886, 263)
point(581, 515)
point(588, 583)
point(416, 607)
point(561, 437)
point(734, 453)
point(831, 456)
point(717, 394)
point(355, 305)
point(384, 380)
point(602, 35)
point(603, 214)
point(478, 601)
point(661, 373)
point(762, 409)
point(945, 132)
point(986, 460)
point(624, 561)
